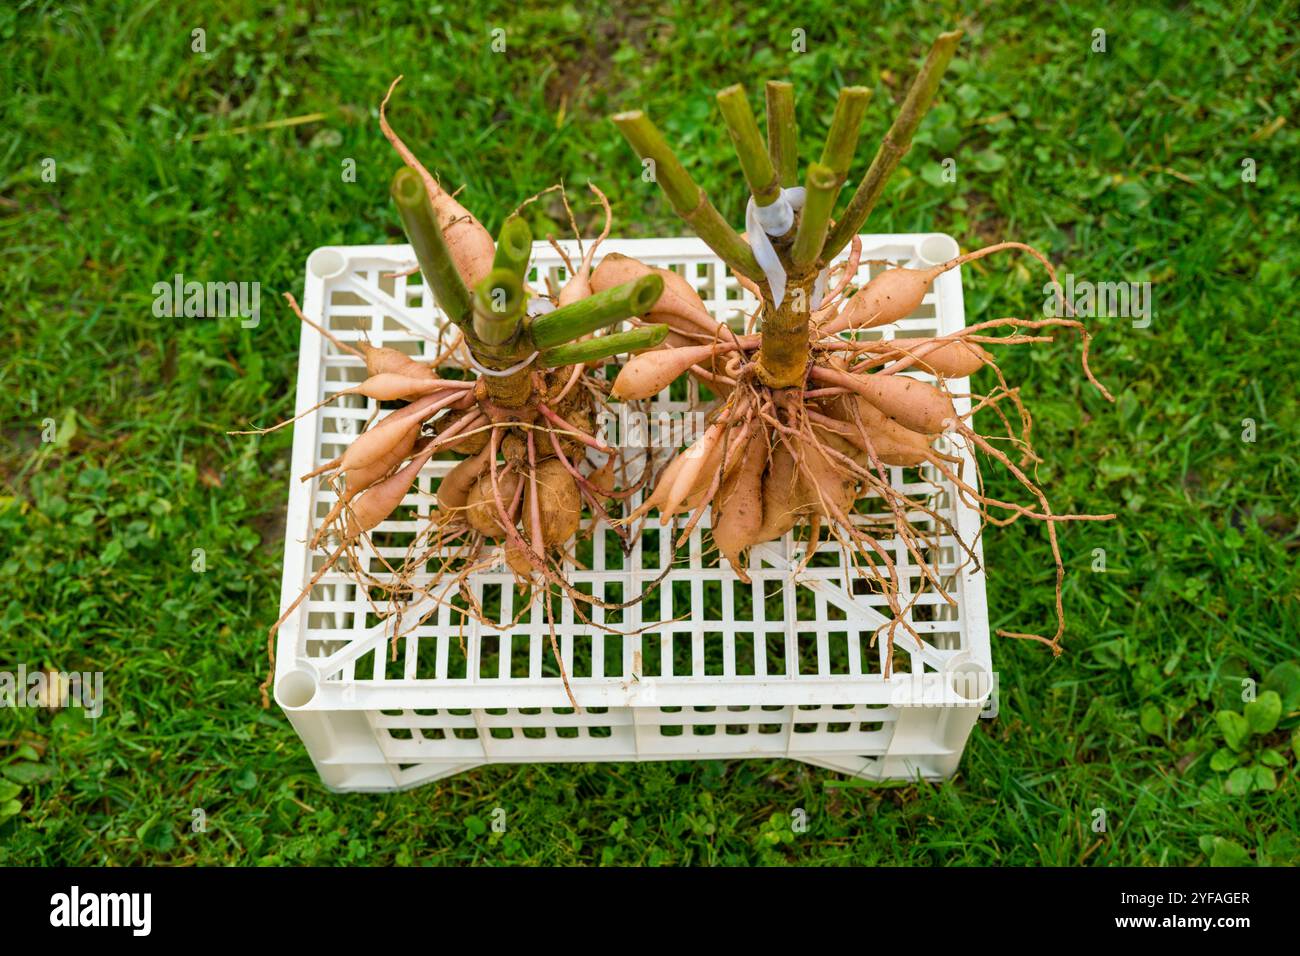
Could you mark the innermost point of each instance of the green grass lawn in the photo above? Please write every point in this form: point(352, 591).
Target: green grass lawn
point(1126, 165)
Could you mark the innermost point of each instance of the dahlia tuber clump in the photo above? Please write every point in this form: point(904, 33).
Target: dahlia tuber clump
point(812, 414)
point(515, 395)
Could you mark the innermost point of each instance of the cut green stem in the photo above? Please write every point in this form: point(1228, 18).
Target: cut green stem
point(755, 162)
point(604, 346)
point(421, 227)
point(896, 143)
point(597, 311)
point(499, 304)
point(842, 140)
point(782, 132)
point(826, 177)
point(514, 246)
point(822, 186)
point(686, 197)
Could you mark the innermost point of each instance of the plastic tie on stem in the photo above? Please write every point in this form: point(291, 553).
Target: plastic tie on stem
point(502, 373)
point(762, 222)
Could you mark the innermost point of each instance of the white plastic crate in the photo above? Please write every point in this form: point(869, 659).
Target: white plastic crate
point(710, 667)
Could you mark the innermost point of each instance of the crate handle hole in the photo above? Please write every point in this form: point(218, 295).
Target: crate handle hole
point(326, 263)
point(938, 248)
point(295, 689)
point(970, 681)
